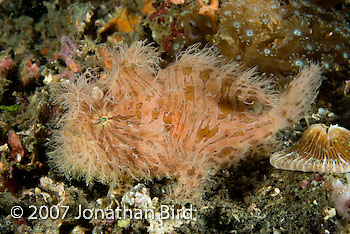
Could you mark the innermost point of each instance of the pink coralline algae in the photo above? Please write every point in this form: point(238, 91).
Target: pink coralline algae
point(141, 122)
point(17, 150)
point(30, 72)
point(341, 198)
point(67, 53)
point(6, 65)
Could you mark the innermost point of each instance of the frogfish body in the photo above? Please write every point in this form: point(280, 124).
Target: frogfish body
point(142, 122)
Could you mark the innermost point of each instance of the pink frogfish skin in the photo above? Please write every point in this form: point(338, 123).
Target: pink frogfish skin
point(141, 122)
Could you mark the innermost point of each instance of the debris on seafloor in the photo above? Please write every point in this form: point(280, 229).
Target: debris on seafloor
point(162, 218)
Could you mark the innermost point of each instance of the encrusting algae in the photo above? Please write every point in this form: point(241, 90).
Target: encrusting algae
point(142, 122)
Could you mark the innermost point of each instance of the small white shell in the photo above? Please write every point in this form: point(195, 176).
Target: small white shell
point(97, 93)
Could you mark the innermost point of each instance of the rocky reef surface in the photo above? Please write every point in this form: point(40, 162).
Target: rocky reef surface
point(45, 44)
